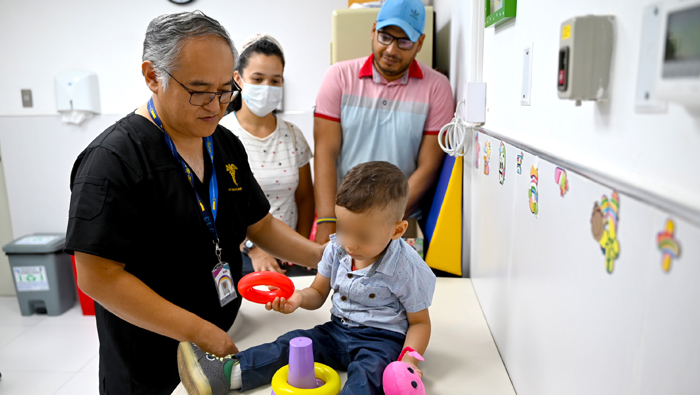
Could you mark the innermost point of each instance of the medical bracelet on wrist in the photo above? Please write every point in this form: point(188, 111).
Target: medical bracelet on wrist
point(323, 220)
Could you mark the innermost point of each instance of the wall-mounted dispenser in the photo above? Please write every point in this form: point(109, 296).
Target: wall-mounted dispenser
point(585, 55)
point(77, 95)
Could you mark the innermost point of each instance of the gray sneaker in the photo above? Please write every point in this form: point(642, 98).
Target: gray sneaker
point(202, 373)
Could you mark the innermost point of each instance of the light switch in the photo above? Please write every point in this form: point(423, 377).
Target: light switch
point(27, 98)
point(527, 76)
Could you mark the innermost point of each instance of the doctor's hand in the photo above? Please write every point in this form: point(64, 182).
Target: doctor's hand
point(264, 262)
point(215, 341)
point(286, 306)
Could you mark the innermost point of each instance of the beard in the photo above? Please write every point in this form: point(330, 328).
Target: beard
point(397, 69)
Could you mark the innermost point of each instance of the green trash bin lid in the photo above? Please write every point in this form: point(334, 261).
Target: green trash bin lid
point(40, 243)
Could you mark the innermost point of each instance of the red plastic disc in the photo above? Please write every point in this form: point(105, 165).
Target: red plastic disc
point(246, 287)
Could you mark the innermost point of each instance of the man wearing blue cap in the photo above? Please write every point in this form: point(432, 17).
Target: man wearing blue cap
point(387, 107)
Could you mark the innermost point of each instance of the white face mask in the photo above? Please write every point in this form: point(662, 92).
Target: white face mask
point(261, 99)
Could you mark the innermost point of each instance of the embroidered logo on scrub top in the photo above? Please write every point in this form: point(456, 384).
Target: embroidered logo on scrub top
point(231, 169)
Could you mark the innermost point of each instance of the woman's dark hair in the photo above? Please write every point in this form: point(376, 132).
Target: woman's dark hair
point(262, 46)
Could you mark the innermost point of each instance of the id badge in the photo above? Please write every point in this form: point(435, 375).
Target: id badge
point(224, 283)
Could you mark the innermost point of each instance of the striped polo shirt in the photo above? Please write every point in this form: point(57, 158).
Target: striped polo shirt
point(383, 120)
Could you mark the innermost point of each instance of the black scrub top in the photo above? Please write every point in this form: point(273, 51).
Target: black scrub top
point(132, 203)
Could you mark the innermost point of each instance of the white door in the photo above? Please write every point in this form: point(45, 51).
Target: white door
point(7, 286)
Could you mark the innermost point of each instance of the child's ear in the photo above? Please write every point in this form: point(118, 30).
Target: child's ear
point(399, 229)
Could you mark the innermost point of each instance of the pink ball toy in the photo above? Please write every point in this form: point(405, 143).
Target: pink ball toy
point(401, 379)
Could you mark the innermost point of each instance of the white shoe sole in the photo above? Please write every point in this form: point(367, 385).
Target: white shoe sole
point(191, 374)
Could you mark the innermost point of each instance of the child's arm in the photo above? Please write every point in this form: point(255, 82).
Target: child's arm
point(308, 298)
point(417, 336)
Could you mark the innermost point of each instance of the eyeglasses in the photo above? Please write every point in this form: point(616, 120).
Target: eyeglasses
point(203, 98)
point(386, 39)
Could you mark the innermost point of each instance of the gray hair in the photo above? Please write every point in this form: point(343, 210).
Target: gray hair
point(167, 34)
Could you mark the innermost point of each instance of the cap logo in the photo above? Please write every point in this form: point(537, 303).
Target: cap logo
point(414, 14)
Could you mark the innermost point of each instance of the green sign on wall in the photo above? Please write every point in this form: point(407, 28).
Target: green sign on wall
point(499, 11)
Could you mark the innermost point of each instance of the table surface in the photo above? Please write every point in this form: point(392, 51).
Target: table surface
point(461, 355)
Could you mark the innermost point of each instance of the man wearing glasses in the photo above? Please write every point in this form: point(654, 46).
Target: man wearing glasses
point(160, 204)
point(385, 107)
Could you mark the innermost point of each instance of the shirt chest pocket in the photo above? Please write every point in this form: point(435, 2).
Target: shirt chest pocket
point(88, 197)
point(373, 295)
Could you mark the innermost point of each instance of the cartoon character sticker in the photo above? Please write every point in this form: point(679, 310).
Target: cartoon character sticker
point(487, 156)
point(604, 228)
point(532, 192)
point(561, 179)
point(520, 162)
point(478, 148)
point(502, 163)
point(669, 246)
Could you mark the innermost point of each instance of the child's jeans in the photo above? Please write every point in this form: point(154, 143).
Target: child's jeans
point(363, 352)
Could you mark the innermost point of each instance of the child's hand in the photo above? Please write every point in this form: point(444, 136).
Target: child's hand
point(418, 371)
point(285, 306)
point(413, 362)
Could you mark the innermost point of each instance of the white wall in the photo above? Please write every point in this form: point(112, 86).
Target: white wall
point(7, 286)
point(564, 325)
point(107, 38)
point(652, 151)
point(43, 38)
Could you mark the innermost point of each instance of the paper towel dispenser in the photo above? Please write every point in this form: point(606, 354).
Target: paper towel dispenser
point(77, 95)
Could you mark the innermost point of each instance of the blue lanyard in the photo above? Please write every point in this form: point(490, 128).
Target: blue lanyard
point(209, 219)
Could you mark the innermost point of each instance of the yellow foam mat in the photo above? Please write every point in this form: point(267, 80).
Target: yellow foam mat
point(445, 252)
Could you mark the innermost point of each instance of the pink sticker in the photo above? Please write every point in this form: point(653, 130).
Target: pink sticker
point(561, 179)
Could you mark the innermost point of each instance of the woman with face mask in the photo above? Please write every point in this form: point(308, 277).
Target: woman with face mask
point(277, 152)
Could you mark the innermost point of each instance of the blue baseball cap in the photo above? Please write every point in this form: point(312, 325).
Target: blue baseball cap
point(409, 15)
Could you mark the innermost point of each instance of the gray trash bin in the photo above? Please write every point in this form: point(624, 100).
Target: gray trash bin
point(43, 274)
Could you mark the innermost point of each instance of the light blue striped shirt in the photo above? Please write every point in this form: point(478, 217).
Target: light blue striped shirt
point(379, 295)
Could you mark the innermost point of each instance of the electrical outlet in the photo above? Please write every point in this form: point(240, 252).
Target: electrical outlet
point(27, 98)
point(527, 76)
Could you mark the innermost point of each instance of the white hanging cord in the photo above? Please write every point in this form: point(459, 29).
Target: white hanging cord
point(455, 138)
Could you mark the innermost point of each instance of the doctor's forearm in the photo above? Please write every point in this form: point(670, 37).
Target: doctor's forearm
point(130, 299)
point(281, 241)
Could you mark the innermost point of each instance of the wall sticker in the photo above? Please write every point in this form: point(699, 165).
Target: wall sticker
point(561, 179)
point(669, 246)
point(502, 163)
point(604, 222)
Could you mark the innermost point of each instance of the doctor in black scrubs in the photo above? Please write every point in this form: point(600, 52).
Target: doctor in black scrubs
point(160, 203)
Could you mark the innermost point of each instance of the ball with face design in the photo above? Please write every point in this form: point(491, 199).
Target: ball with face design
point(400, 378)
